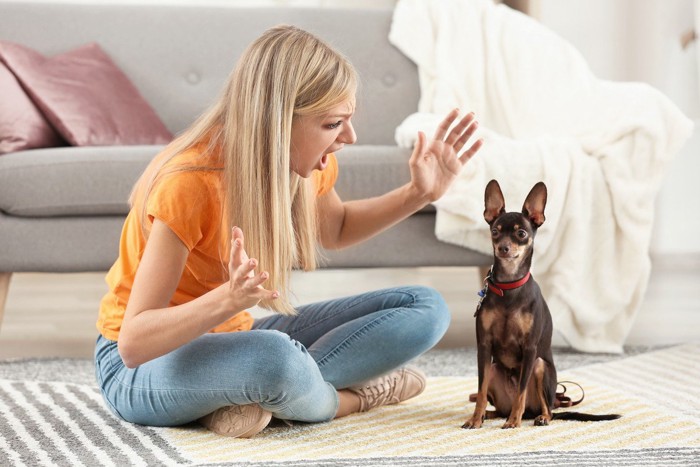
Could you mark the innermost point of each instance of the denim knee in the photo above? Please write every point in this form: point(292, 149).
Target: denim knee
point(434, 316)
point(295, 388)
point(282, 361)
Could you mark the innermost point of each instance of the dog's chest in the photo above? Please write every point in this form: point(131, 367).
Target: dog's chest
point(507, 330)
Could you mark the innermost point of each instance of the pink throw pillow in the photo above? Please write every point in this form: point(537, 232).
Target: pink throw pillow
point(21, 124)
point(85, 96)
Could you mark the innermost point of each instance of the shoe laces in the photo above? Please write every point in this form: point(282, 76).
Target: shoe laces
point(379, 392)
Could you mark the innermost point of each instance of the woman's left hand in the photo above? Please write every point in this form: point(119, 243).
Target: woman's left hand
point(435, 163)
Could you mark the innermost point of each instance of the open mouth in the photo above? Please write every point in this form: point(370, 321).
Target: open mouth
point(323, 162)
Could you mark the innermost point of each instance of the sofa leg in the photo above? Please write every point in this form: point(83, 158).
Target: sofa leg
point(4, 291)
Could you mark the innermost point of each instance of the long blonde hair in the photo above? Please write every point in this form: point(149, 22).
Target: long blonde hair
point(285, 73)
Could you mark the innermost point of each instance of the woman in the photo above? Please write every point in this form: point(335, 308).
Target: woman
point(218, 221)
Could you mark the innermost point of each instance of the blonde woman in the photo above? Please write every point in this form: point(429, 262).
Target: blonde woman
point(218, 221)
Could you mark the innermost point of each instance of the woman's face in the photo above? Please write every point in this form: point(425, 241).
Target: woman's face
point(314, 137)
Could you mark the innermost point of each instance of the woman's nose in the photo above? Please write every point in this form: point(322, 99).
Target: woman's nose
point(348, 136)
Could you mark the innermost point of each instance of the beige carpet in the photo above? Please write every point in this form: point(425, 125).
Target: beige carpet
point(655, 393)
point(51, 413)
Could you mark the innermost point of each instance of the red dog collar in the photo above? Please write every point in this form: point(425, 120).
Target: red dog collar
point(499, 288)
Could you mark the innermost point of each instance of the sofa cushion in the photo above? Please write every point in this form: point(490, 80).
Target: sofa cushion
point(71, 181)
point(22, 126)
point(365, 171)
point(85, 96)
point(98, 180)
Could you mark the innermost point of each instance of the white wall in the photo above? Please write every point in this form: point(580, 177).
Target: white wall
point(639, 40)
point(632, 40)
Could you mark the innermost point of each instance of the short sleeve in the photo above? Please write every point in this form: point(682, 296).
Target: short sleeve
point(325, 179)
point(182, 200)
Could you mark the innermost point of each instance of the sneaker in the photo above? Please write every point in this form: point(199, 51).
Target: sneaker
point(237, 421)
point(392, 388)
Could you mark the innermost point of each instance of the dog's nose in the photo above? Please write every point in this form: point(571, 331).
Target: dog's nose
point(503, 249)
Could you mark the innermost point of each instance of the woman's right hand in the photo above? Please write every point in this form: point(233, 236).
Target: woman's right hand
point(245, 287)
point(152, 326)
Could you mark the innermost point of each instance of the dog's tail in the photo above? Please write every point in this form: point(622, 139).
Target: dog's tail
point(584, 417)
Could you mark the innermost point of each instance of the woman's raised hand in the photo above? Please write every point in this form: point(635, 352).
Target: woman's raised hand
point(435, 163)
point(245, 286)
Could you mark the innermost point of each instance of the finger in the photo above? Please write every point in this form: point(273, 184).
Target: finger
point(458, 131)
point(238, 256)
point(459, 144)
point(445, 125)
point(241, 255)
point(232, 253)
point(263, 294)
point(419, 148)
point(260, 293)
point(469, 153)
point(254, 287)
point(257, 280)
point(244, 272)
point(268, 294)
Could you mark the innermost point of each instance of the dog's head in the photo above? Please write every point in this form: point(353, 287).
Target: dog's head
point(512, 233)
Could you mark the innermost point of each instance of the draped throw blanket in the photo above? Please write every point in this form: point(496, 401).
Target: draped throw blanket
point(601, 147)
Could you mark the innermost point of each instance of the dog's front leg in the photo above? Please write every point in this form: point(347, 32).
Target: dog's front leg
point(516, 414)
point(544, 374)
point(484, 363)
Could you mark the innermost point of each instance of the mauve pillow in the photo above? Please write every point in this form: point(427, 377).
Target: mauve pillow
point(21, 124)
point(85, 96)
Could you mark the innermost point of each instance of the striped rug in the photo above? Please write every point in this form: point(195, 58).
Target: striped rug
point(64, 424)
point(50, 423)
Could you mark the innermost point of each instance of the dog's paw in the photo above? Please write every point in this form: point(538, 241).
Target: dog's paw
point(542, 421)
point(511, 424)
point(472, 423)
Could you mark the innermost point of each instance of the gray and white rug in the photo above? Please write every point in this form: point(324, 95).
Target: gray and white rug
point(51, 413)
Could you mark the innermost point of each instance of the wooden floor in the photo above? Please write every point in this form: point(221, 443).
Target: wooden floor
point(53, 315)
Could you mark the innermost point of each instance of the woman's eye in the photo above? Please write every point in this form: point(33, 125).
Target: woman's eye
point(333, 126)
point(521, 234)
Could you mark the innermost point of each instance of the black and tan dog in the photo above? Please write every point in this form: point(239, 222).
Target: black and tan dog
point(513, 324)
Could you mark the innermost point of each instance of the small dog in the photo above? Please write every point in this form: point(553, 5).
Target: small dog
point(513, 324)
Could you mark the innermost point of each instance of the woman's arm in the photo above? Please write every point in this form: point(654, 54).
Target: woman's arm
point(151, 327)
point(434, 166)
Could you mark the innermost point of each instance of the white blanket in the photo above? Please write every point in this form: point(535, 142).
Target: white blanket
point(601, 147)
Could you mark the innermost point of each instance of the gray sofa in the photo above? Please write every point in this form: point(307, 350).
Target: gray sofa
point(61, 209)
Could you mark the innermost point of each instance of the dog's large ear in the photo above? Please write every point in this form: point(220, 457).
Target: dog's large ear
point(533, 208)
point(495, 204)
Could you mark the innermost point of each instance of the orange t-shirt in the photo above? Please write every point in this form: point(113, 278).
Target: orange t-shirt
point(189, 202)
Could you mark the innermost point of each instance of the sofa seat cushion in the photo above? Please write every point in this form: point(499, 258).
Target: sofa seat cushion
point(71, 181)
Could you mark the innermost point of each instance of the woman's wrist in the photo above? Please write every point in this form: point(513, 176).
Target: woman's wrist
point(415, 198)
point(225, 305)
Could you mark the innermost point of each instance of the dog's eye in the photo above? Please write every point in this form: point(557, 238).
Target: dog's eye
point(522, 234)
point(494, 232)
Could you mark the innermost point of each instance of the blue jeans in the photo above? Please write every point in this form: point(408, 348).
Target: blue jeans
point(290, 365)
